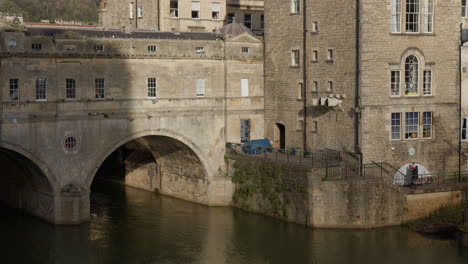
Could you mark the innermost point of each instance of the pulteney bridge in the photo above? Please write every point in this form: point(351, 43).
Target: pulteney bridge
point(71, 98)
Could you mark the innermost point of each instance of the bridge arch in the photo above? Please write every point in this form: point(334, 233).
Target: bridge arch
point(182, 168)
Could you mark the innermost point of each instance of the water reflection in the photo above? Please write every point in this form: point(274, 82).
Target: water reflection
point(133, 226)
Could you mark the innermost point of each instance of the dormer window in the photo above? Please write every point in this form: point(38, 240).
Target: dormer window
point(152, 48)
point(99, 48)
point(200, 50)
point(36, 46)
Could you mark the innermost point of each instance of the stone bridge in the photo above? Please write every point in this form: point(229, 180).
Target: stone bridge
point(71, 99)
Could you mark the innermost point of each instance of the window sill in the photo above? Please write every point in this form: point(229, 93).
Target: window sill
point(411, 34)
point(314, 61)
point(329, 60)
point(294, 13)
point(314, 33)
point(300, 99)
point(295, 66)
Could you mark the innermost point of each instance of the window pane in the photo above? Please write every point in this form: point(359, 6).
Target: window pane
point(427, 83)
point(200, 87)
point(41, 89)
point(464, 136)
point(70, 88)
point(411, 75)
point(395, 83)
point(411, 125)
point(152, 87)
point(100, 89)
point(396, 125)
point(14, 89)
point(412, 15)
point(427, 124)
point(396, 16)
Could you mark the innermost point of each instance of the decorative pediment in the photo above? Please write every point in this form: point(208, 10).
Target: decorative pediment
point(244, 37)
point(70, 35)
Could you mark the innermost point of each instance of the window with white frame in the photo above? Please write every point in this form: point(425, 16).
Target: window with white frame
point(295, 60)
point(99, 88)
point(174, 8)
point(396, 126)
point(41, 89)
point(395, 83)
point(130, 10)
point(427, 124)
point(315, 86)
point(295, 6)
point(411, 75)
point(196, 10)
point(200, 87)
point(248, 21)
point(411, 125)
point(315, 55)
point(200, 50)
point(140, 11)
point(330, 54)
point(215, 10)
point(463, 8)
point(245, 50)
point(244, 87)
point(152, 87)
point(428, 16)
point(330, 86)
point(412, 16)
point(427, 83)
point(152, 48)
point(14, 90)
point(396, 16)
point(70, 88)
point(315, 26)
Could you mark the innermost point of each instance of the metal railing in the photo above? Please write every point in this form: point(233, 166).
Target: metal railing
point(320, 159)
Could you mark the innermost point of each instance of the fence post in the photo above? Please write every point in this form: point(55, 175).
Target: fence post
point(300, 157)
point(287, 155)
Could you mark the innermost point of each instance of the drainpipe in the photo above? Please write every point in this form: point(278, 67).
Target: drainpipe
point(357, 114)
point(159, 15)
point(304, 72)
point(136, 13)
point(460, 101)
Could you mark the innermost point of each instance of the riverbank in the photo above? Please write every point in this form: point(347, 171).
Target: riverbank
point(445, 222)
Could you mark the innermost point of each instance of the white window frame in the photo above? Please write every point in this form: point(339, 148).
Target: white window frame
point(393, 125)
point(200, 86)
point(130, 10)
point(395, 82)
point(315, 27)
point(14, 90)
point(41, 89)
point(152, 85)
point(174, 11)
point(300, 91)
point(244, 87)
point(427, 125)
point(429, 16)
point(99, 88)
point(417, 76)
point(416, 14)
point(416, 119)
point(140, 11)
point(295, 6)
point(216, 10)
point(330, 86)
point(330, 54)
point(70, 89)
point(195, 10)
point(428, 84)
point(295, 58)
point(245, 50)
point(396, 7)
point(200, 50)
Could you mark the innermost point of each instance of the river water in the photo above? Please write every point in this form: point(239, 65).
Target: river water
point(134, 226)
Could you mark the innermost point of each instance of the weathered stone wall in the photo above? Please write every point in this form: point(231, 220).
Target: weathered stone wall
point(326, 128)
point(421, 205)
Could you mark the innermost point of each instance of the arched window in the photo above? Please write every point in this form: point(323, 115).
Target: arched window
point(411, 75)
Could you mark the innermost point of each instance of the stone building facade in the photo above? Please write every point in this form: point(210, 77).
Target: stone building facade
point(181, 15)
point(247, 12)
point(374, 79)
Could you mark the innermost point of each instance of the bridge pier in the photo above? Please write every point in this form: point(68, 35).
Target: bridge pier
point(71, 208)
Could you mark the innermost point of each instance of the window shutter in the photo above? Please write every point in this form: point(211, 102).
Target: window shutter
point(245, 87)
point(195, 6)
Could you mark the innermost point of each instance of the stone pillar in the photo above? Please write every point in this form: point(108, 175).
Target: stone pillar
point(71, 208)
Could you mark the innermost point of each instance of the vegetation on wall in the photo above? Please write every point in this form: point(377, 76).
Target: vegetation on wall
point(266, 186)
point(36, 10)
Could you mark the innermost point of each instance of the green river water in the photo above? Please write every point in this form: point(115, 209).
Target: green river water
point(134, 226)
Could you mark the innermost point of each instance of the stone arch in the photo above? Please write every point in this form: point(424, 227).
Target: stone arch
point(403, 176)
point(35, 160)
point(190, 145)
